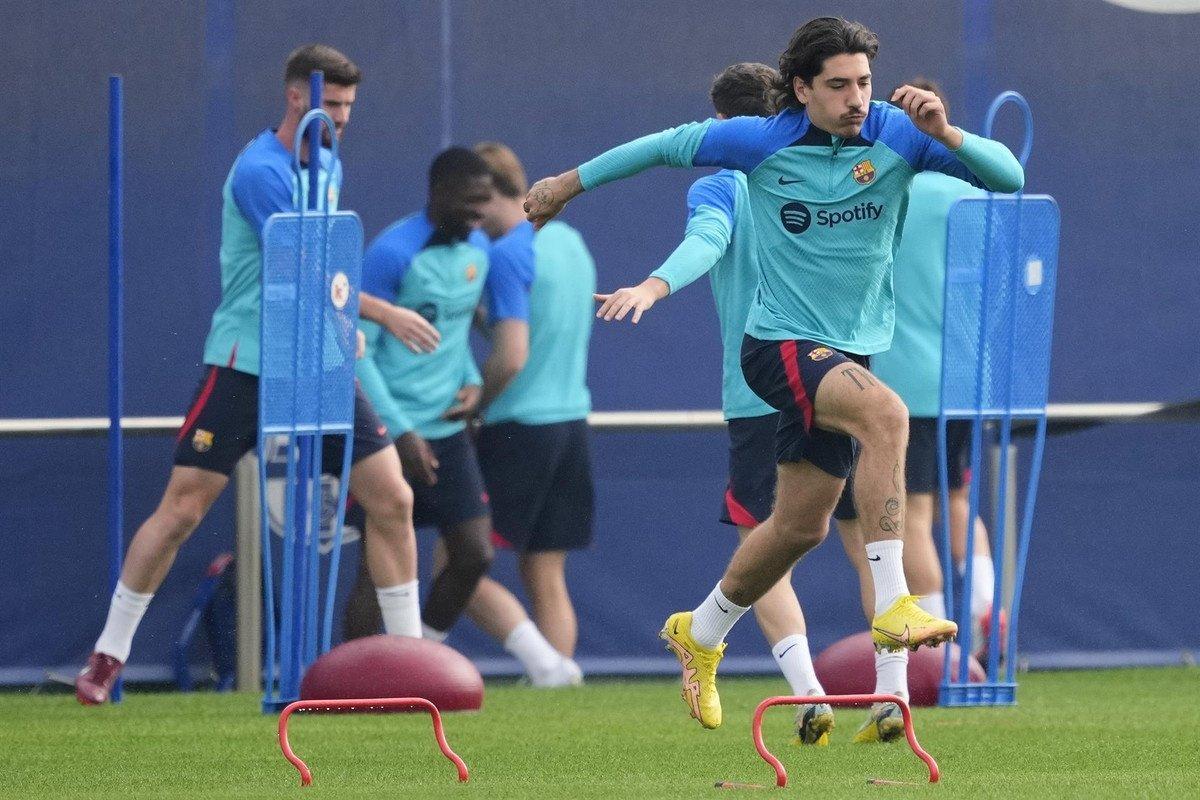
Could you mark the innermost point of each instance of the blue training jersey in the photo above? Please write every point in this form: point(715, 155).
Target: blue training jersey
point(262, 181)
point(826, 209)
point(559, 277)
point(414, 265)
point(913, 364)
point(719, 240)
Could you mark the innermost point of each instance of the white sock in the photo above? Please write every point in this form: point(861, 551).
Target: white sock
point(887, 571)
point(795, 662)
point(935, 604)
point(401, 609)
point(891, 673)
point(433, 633)
point(124, 613)
point(983, 584)
point(713, 619)
point(533, 651)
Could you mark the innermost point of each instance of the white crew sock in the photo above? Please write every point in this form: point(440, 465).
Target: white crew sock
point(891, 673)
point(713, 618)
point(983, 584)
point(124, 613)
point(887, 571)
point(536, 654)
point(935, 604)
point(795, 662)
point(433, 633)
point(401, 609)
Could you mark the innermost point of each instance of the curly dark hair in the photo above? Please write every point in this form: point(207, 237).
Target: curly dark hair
point(744, 90)
point(814, 42)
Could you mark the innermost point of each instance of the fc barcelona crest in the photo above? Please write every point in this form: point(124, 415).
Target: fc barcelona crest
point(863, 172)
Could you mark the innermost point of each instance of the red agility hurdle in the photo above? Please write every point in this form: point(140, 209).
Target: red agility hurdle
point(377, 704)
point(837, 700)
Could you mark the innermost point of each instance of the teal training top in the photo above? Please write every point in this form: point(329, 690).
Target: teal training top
point(561, 278)
point(414, 265)
point(913, 365)
point(826, 209)
point(261, 182)
point(719, 240)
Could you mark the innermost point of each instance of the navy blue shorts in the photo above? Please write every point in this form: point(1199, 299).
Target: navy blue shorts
point(458, 494)
point(750, 494)
point(920, 466)
point(539, 481)
point(222, 425)
point(786, 376)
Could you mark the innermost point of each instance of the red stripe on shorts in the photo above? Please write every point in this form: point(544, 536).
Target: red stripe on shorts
point(791, 365)
point(737, 512)
point(198, 406)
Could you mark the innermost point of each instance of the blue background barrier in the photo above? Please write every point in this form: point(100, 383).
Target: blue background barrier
point(1115, 149)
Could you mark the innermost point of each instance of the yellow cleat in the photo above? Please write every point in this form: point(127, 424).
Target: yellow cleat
point(699, 668)
point(885, 724)
point(906, 624)
point(813, 724)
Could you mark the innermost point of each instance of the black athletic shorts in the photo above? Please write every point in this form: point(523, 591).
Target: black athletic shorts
point(222, 425)
point(750, 494)
point(921, 468)
point(786, 374)
point(539, 481)
point(458, 494)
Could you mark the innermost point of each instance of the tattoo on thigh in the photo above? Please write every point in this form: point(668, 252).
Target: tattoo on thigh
point(862, 379)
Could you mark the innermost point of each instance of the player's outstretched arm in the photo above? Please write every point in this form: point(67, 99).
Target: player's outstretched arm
point(637, 299)
point(413, 330)
point(993, 164)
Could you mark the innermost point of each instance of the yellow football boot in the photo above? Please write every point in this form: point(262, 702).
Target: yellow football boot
point(906, 624)
point(813, 724)
point(885, 724)
point(699, 668)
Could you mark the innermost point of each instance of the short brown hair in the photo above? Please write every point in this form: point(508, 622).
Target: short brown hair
point(306, 59)
point(508, 175)
point(813, 43)
point(744, 90)
point(929, 86)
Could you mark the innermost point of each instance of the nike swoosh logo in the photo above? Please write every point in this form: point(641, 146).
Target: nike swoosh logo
point(785, 651)
point(874, 558)
point(904, 638)
point(723, 610)
point(785, 182)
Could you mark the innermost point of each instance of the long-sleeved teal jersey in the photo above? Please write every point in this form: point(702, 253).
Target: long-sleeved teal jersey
point(560, 277)
point(913, 364)
point(261, 182)
point(412, 265)
point(825, 209)
point(719, 240)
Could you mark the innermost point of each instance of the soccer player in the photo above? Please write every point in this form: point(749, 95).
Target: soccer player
point(436, 262)
point(912, 367)
point(222, 424)
point(827, 179)
point(533, 445)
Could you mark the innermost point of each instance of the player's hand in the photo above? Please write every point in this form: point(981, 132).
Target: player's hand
point(548, 196)
point(466, 403)
point(928, 113)
point(417, 458)
point(413, 330)
point(637, 299)
point(360, 344)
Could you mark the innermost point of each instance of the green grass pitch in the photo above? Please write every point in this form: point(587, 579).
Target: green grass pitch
point(1119, 733)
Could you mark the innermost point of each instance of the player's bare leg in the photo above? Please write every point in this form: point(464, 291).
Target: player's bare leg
point(983, 570)
point(499, 614)
point(545, 579)
point(851, 400)
point(390, 546)
point(782, 622)
point(189, 495)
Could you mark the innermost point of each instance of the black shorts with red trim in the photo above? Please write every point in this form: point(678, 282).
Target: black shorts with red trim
point(222, 425)
point(539, 480)
point(750, 494)
point(920, 465)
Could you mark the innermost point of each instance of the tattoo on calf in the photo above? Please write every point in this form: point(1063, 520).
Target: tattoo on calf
point(891, 521)
point(862, 379)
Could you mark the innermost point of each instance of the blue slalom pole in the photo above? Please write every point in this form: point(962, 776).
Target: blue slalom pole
point(116, 338)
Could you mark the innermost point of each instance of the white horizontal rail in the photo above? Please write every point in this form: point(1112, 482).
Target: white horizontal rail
point(602, 420)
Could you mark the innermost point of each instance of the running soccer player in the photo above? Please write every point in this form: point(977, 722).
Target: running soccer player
point(912, 367)
point(222, 424)
point(435, 262)
point(827, 179)
point(533, 445)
